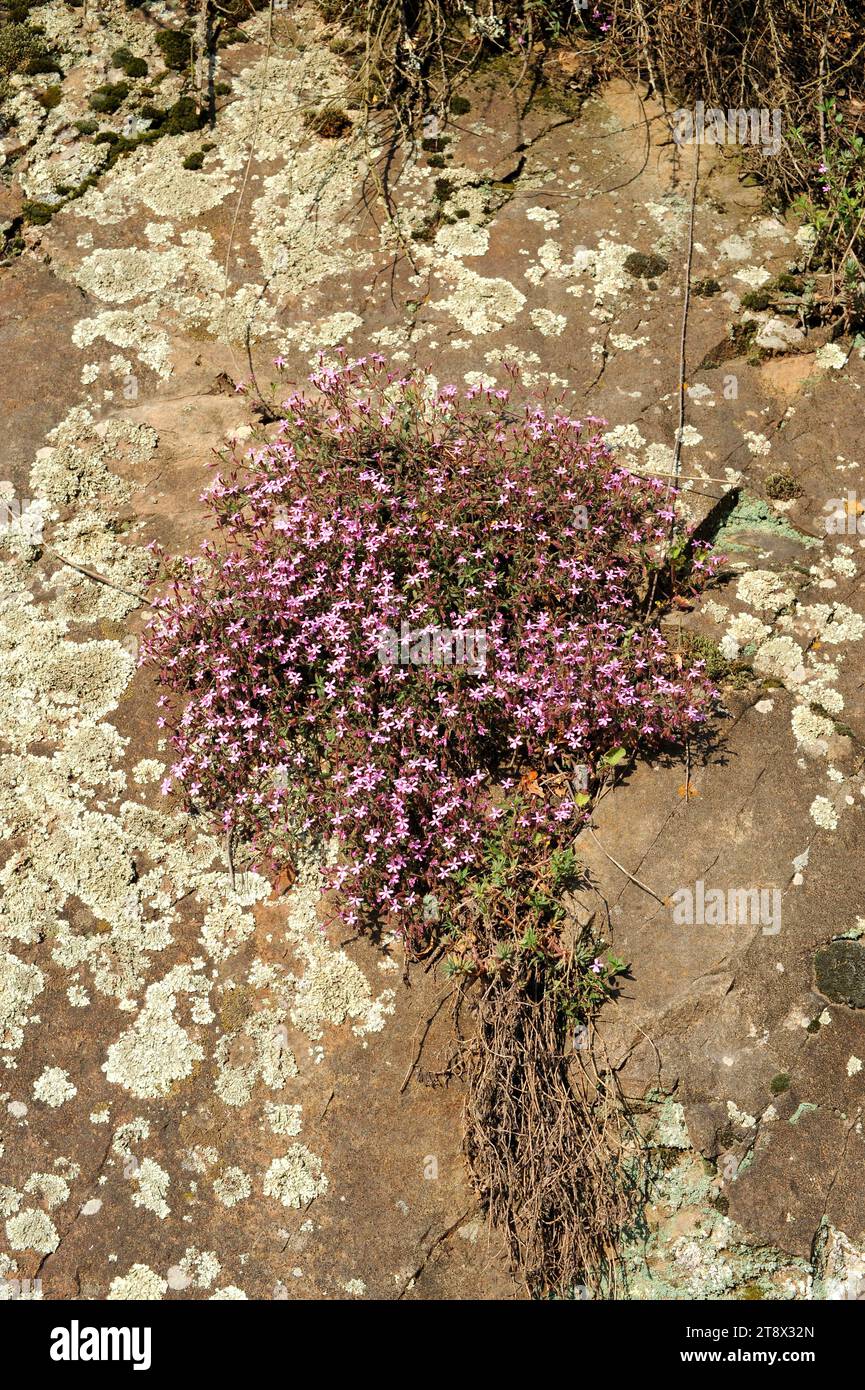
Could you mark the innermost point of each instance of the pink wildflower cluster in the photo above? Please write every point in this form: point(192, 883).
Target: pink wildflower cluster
point(380, 502)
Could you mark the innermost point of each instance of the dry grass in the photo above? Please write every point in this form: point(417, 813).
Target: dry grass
point(804, 59)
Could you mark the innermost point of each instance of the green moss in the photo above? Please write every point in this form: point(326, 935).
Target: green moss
point(779, 1084)
point(427, 229)
point(645, 267)
point(666, 1158)
point(86, 127)
point(13, 247)
point(460, 106)
point(236, 10)
point(19, 47)
point(128, 63)
point(175, 47)
point(782, 486)
point(332, 123)
point(43, 63)
point(109, 97)
point(38, 214)
point(843, 730)
point(51, 97)
point(346, 46)
point(194, 160)
point(757, 299)
point(696, 647)
point(739, 343)
point(181, 118)
point(124, 144)
point(18, 10)
point(704, 289)
point(789, 284)
point(742, 336)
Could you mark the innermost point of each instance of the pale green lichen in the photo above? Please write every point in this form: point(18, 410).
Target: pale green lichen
point(156, 1051)
point(232, 1186)
point(141, 1283)
point(53, 1087)
point(685, 1246)
point(32, 1229)
point(296, 1178)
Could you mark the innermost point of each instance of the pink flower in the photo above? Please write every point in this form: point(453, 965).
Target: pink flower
point(368, 535)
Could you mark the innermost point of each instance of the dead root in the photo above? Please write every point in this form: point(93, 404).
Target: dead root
point(542, 1137)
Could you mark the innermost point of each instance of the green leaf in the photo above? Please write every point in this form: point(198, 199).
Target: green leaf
point(613, 759)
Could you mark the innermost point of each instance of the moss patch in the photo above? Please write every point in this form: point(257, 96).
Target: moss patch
point(128, 63)
point(175, 47)
point(50, 97)
point(109, 97)
point(695, 647)
point(645, 267)
point(36, 213)
point(782, 486)
point(757, 300)
point(330, 124)
point(21, 50)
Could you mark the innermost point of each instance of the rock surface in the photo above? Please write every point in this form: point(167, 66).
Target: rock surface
point(201, 1089)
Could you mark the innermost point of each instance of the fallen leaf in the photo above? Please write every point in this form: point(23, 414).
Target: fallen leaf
point(284, 880)
point(530, 785)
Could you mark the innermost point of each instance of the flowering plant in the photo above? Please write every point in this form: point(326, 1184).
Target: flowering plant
point(383, 504)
